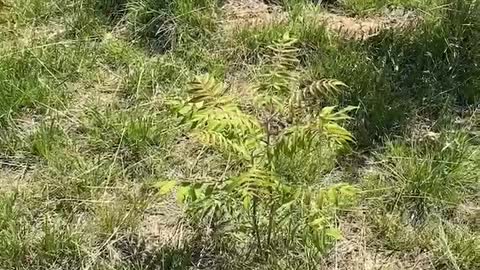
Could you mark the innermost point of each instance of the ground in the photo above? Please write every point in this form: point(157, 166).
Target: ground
point(89, 136)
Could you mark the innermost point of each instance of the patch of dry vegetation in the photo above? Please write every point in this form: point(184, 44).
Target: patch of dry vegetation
point(87, 133)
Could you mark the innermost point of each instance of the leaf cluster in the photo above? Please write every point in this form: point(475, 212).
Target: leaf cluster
point(258, 205)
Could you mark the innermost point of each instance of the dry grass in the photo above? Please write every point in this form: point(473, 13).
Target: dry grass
point(252, 13)
point(85, 131)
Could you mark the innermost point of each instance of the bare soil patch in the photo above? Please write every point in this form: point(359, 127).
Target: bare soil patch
point(357, 252)
point(247, 13)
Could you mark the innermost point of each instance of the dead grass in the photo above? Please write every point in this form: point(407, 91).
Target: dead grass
point(162, 225)
point(358, 251)
point(87, 199)
point(14, 179)
point(240, 13)
point(362, 28)
point(254, 13)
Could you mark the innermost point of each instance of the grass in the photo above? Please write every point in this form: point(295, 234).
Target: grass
point(86, 131)
point(363, 7)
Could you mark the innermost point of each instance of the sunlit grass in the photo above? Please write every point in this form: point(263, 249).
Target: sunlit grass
point(85, 129)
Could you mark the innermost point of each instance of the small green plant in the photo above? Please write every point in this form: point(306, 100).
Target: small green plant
point(46, 140)
point(258, 205)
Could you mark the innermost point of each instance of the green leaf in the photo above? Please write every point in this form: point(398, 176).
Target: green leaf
point(208, 190)
point(332, 196)
point(185, 110)
point(165, 186)
point(334, 233)
point(182, 193)
point(247, 202)
point(318, 223)
point(327, 111)
point(348, 109)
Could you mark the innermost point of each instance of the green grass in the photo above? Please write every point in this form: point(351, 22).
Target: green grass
point(86, 131)
point(433, 175)
point(364, 7)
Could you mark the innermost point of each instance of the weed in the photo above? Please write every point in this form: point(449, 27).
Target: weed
point(259, 199)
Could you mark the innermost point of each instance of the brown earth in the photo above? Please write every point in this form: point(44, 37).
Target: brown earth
point(246, 13)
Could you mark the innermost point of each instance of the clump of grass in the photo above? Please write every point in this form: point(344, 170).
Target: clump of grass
point(10, 141)
point(427, 177)
point(35, 80)
point(416, 190)
point(29, 242)
point(143, 76)
point(134, 131)
point(365, 7)
point(452, 246)
point(164, 24)
point(251, 43)
point(120, 213)
point(35, 11)
point(456, 247)
point(22, 87)
point(119, 53)
point(113, 9)
point(440, 73)
point(46, 140)
point(157, 76)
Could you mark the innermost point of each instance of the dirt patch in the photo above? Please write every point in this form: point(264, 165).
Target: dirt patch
point(13, 179)
point(356, 252)
point(102, 93)
point(247, 13)
point(162, 224)
point(362, 28)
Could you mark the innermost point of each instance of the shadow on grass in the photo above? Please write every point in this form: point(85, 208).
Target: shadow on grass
point(428, 71)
